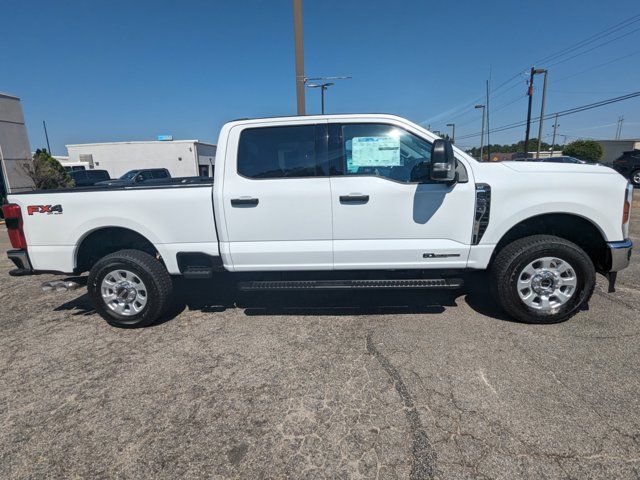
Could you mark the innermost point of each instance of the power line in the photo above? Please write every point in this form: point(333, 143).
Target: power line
point(463, 109)
point(497, 109)
point(593, 48)
point(597, 66)
point(592, 38)
point(505, 105)
point(561, 113)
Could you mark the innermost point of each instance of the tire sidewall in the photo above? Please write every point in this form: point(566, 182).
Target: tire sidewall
point(585, 279)
point(150, 310)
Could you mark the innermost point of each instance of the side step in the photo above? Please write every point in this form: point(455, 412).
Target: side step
point(433, 283)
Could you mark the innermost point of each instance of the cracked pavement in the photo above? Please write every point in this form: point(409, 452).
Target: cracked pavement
point(342, 385)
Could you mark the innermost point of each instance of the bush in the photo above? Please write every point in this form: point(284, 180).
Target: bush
point(587, 150)
point(47, 173)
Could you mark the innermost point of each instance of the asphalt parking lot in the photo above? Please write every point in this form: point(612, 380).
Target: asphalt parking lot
point(372, 385)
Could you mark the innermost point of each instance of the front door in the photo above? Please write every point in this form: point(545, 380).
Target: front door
point(383, 217)
point(277, 198)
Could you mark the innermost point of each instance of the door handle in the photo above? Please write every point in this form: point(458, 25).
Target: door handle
point(235, 202)
point(354, 198)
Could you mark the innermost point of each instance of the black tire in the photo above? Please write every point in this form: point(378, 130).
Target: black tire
point(150, 271)
point(633, 176)
point(513, 258)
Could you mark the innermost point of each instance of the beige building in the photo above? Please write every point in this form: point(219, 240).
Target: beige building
point(614, 148)
point(15, 152)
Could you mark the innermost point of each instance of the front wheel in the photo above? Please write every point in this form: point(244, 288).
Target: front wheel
point(635, 177)
point(129, 288)
point(542, 279)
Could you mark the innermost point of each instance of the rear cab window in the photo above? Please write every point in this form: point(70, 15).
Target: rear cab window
point(280, 152)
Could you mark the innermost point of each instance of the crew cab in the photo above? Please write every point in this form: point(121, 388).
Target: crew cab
point(336, 201)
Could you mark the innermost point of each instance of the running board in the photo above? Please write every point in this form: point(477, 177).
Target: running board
point(433, 283)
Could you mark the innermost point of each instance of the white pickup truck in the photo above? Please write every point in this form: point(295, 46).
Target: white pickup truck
point(336, 201)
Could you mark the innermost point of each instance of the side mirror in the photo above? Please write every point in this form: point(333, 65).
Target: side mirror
point(443, 162)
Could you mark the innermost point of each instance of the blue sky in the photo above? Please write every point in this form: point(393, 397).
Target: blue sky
point(130, 70)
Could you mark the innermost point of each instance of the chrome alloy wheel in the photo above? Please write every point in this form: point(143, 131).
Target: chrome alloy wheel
point(546, 284)
point(124, 292)
point(636, 177)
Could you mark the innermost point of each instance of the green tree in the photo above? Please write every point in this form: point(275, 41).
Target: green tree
point(47, 173)
point(587, 150)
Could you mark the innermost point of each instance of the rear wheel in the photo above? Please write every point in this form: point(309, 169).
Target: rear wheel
point(542, 279)
point(129, 288)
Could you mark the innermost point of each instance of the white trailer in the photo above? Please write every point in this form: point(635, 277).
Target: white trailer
point(183, 158)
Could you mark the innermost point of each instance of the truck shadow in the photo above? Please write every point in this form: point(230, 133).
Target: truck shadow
point(215, 297)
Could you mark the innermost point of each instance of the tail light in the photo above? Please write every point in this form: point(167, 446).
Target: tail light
point(626, 211)
point(15, 226)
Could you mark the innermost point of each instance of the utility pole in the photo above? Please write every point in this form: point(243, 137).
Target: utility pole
point(530, 93)
point(453, 131)
point(619, 128)
point(300, 79)
point(555, 127)
point(544, 97)
point(46, 135)
point(482, 134)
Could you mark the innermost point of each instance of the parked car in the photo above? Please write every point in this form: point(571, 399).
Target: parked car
point(134, 177)
point(88, 178)
point(559, 159)
point(563, 159)
point(628, 165)
point(335, 202)
point(74, 168)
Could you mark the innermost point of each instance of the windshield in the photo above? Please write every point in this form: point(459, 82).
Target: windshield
point(129, 175)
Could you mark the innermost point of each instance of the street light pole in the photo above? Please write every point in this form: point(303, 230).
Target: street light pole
point(544, 98)
point(323, 86)
point(453, 131)
point(482, 134)
point(488, 128)
point(299, 47)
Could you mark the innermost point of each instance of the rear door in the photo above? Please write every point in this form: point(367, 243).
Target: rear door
point(383, 217)
point(276, 197)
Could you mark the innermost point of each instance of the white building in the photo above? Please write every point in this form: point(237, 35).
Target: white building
point(183, 158)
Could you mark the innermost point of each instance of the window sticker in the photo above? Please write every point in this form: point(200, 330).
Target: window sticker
point(375, 152)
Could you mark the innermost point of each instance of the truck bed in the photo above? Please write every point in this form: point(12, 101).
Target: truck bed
point(173, 217)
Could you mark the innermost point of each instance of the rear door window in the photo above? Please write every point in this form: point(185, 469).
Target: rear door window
point(278, 152)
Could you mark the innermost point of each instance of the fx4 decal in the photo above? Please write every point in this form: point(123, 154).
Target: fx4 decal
point(48, 209)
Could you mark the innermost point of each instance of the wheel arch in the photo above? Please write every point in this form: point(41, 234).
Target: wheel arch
point(103, 241)
point(575, 228)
